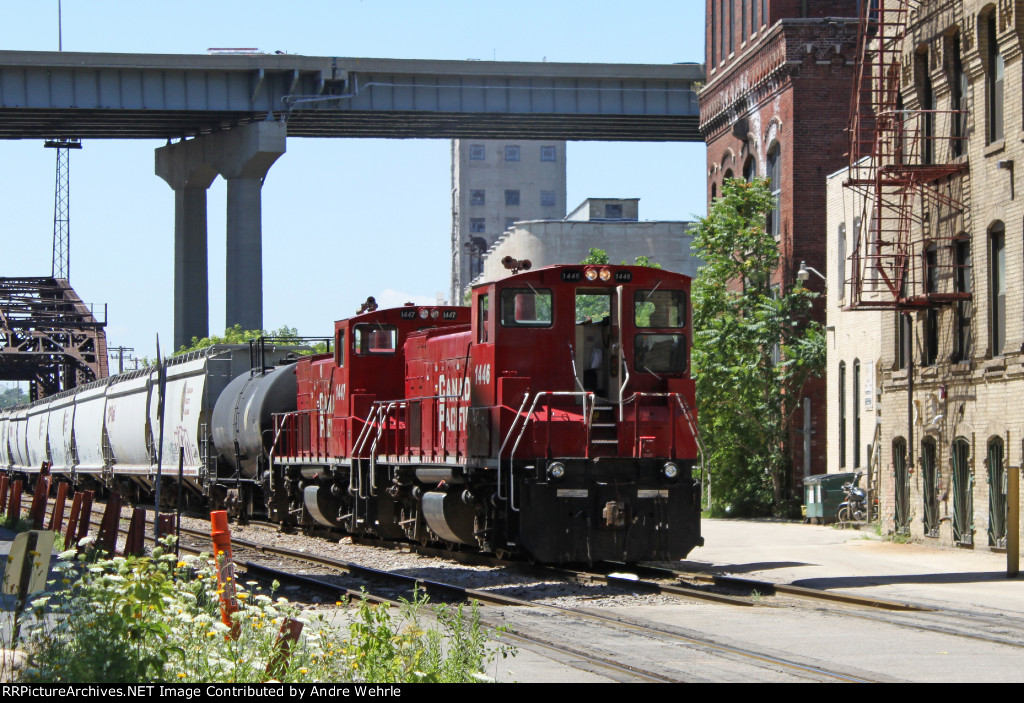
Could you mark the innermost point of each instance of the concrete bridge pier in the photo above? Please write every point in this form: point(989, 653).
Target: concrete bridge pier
point(242, 155)
point(190, 178)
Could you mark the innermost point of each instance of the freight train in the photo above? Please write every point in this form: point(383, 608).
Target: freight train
point(552, 419)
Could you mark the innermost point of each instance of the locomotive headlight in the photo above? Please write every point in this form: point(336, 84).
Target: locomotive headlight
point(606, 275)
point(556, 471)
point(670, 471)
point(434, 314)
point(423, 313)
point(591, 274)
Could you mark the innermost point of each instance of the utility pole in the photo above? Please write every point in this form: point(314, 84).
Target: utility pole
point(120, 352)
point(62, 207)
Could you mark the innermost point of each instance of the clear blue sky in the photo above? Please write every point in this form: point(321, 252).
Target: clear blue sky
point(342, 219)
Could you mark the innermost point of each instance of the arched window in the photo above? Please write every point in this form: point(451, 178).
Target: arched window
point(901, 502)
point(774, 173)
point(750, 169)
point(996, 494)
point(930, 487)
point(714, 191)
point(963, 491)
point(856, 413)
point(842, 414)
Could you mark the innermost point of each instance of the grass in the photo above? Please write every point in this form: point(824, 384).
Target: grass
point(157, 619)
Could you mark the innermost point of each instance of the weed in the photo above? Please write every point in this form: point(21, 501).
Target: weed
point(148, 619)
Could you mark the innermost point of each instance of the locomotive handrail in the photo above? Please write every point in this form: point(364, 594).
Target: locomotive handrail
point(508, 435)
point(625, 382)
point(522, 431)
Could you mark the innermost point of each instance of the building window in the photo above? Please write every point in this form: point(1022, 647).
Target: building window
point(958, 100)
point(842, 414)
point(714, 27)
point(548, 153)
point(997, 288)
point(476, 152)
point(477, 248)
point(753, 17)
point(613, 211)
point(750, 169)
point(995, 82)
point(962, 282)
point(931, 333)
point(476, 197)
point(714, 191)
point(512, 152)
point(775, 185)
point(902, 323)
point(477, 225)
point(841, 260)
point(721, 30)
point(731, 11)
point(547, 198)
point(511, 197)
point(929, 104)
point(856, 413)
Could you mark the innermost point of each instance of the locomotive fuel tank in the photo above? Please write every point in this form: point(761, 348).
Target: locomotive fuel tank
point(243, 421)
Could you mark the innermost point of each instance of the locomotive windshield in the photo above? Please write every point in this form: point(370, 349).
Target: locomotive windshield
point(660, 353)
point(525, 307)
point(660, 308)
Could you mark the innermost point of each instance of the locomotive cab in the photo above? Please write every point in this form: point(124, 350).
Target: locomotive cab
point(595, 432)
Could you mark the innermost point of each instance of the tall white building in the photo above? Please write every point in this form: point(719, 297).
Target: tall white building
point(496, 183)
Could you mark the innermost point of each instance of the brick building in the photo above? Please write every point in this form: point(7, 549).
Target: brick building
point(776, 106)
point(951, 337)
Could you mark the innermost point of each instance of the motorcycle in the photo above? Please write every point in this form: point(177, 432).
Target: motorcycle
point(855, 507)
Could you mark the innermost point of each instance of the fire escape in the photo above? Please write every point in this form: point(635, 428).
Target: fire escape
point(903, 163)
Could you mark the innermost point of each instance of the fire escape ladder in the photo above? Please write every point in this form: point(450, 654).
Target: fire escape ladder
point(896, 165)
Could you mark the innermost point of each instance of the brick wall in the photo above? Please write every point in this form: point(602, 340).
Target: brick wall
point(790, 88)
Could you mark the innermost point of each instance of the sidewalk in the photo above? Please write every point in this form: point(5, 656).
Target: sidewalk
point(858, 562)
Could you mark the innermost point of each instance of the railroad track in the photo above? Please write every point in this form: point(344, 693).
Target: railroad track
point(529, 617)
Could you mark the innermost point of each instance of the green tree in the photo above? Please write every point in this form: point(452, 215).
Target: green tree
point(755, 347)
point(12, 395)
point(236, 335)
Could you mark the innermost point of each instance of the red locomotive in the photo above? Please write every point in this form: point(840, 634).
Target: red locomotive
point(552, 419)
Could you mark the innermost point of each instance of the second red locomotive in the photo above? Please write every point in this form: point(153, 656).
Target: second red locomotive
point(552, 419)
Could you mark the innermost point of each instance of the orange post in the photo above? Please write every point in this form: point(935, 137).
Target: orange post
point(57, 516)
point(221, 536)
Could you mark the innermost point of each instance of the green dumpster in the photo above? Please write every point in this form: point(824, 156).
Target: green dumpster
point(823, 494)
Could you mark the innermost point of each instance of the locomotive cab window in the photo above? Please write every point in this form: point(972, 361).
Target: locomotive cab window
point(525, 307)
point(660, 353)
point(660, 308)
point(371, 338)
point(339, 348)
point(483, 318)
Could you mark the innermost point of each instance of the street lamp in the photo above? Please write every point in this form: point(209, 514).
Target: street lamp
point(805, 271)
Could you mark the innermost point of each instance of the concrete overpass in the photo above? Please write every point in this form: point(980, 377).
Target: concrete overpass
point(233, 112)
